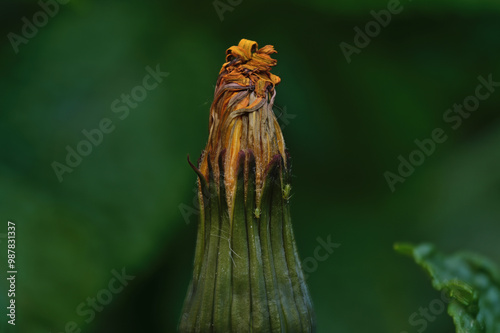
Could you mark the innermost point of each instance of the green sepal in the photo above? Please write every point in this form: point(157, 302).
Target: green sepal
point(241, 308)
point(258, 296)
point(275, 307)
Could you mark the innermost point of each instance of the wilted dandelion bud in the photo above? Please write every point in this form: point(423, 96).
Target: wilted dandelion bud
point(247, 274)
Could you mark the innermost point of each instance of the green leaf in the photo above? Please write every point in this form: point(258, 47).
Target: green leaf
point(472, 283)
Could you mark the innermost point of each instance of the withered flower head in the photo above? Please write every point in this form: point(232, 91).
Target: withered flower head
point(247, 274)
point(241, 116)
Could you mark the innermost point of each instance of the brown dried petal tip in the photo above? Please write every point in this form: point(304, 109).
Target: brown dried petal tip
point(241, 115)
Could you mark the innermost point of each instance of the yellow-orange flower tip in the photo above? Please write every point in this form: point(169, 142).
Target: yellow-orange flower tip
point(241, 115)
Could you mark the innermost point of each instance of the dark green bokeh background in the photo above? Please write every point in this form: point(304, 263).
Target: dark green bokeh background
point(120, 206)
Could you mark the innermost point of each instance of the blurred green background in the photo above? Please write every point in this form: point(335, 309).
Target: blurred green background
point(345, 124)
